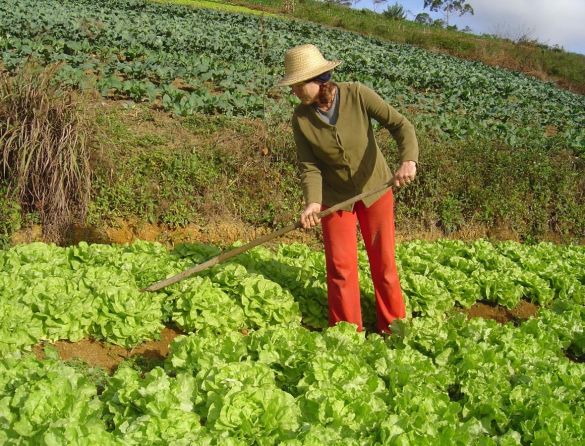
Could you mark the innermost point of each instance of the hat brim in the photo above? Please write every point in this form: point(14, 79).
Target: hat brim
point(300, 77)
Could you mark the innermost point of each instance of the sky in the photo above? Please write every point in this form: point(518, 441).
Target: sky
point(553, 22)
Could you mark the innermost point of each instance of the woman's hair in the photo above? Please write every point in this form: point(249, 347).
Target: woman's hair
point(326, 88)
point(326, 93)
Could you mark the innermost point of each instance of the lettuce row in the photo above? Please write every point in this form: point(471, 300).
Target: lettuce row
point(50, 293)
point(436, 381)
point(467, 386)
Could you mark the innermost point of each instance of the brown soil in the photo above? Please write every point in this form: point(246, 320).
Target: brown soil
point(525, 310)
point(31, 234)
point(468, 232)
point(108, 356)
point(224, 232)
point(220, 233)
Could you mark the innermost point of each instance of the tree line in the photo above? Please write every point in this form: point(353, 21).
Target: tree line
point(397, 11)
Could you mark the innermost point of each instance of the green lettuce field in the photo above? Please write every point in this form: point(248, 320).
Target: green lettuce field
point(256, 367)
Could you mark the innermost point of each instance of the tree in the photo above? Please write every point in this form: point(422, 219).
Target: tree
point(449, 7)
point(395, 12)
point(424, 19)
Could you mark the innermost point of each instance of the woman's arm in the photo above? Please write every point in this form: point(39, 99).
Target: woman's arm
point(311, 179)
point(401, 130)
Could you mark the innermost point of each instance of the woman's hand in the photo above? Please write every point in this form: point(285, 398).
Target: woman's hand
point(309, 216)
point(405, 173)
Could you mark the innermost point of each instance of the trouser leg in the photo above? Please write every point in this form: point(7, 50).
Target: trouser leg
point(343, 291)
point(377, 227)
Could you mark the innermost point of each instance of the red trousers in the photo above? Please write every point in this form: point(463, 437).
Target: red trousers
point(340, 237)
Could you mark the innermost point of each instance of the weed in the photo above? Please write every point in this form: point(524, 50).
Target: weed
point(451, 214)
point(44, 143)
point(202, 169)
point(527, 189)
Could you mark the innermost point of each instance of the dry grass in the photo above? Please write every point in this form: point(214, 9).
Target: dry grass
point(44, 147)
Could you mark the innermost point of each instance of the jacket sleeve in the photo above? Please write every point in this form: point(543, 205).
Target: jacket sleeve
point(311, 179)
point(399, 127)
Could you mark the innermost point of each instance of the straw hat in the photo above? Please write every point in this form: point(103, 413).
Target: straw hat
point(304, 62)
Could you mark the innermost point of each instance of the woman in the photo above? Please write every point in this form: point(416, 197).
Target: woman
point(339, 158)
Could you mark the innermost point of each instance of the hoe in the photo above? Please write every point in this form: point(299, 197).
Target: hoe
point(260, 240)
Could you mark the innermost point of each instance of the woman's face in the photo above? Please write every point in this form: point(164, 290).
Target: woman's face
point(307, 92)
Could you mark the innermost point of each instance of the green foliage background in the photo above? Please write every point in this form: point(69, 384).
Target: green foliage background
point(497, 148)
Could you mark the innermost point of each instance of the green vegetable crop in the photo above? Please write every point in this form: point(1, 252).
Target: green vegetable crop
point(248, 370)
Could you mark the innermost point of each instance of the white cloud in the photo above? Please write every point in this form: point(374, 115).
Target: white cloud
point(552, 22)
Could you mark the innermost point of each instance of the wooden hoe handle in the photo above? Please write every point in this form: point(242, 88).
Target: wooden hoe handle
point(260, 240)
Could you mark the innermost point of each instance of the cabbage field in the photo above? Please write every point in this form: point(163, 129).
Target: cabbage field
point(256, 366)
point(191, 60)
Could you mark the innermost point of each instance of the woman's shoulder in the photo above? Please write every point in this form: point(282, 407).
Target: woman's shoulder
point(352, 88)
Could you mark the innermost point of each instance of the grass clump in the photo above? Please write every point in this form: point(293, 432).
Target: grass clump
point(10, 218)
point(45, 133)
point(174, 171)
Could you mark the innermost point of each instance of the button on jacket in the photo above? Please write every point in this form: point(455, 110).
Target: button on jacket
point(340, 161)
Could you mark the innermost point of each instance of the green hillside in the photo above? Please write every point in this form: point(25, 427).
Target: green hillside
point(230, 68)
point(524, 55)
point(498, 147)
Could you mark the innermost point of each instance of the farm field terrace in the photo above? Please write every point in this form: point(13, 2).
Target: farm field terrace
point(256, 364)
point(499, 150)
point(189, 60)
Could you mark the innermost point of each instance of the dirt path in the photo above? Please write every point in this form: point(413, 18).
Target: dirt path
point(525, 310)
point(109, 356)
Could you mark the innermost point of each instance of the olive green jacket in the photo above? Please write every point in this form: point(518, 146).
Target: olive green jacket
point(340, 161)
